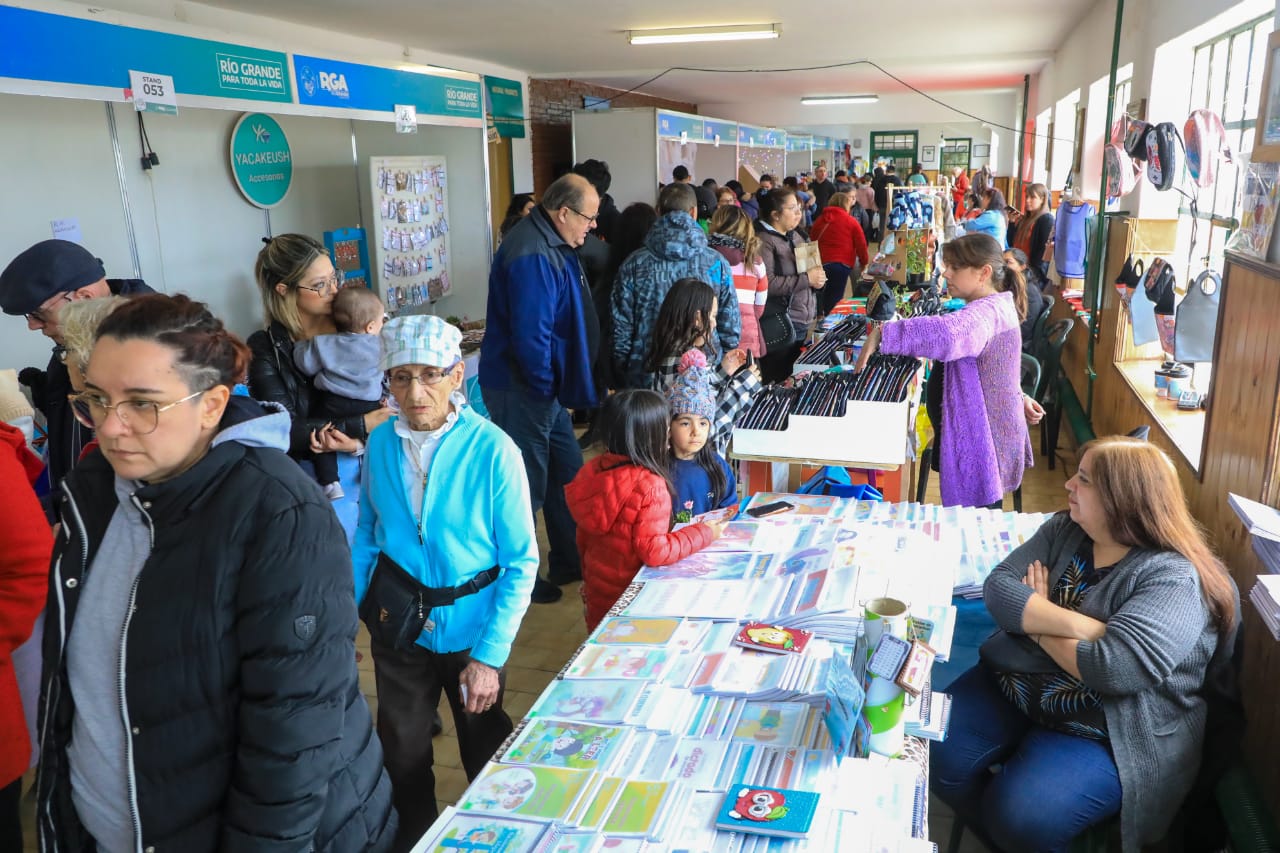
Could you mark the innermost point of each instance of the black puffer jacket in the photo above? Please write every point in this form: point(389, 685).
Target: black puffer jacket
point(248, 728)
point(274, 378)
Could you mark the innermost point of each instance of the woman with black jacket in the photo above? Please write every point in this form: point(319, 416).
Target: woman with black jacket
point(200, 687)
point(790, 292)
point(298, 283)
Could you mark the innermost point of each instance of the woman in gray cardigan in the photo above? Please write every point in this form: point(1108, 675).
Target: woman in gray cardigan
point(1130, 609)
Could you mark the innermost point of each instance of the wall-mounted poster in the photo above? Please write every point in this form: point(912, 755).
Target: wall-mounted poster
point(411, 263)
point(928, 153)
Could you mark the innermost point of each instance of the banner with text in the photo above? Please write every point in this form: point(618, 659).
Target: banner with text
point(352, 86)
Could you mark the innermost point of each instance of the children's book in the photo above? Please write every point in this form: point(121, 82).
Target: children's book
point(772, 723)
point(476, 832)
point(563, 743)
point(539, 792)
point(639, 808)
point(589, 700)
point(712, 565)
point(777, 812)
point(671, 632)
point(763, 637)
point(644, 663)
point(824, 505)
point(843, 709)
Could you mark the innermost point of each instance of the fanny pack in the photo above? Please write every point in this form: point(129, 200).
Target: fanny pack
point(397, 607)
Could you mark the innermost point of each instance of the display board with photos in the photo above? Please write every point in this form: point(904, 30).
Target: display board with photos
point(411, 242)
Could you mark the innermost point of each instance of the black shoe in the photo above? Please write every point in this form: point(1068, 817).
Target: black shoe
point(545, 592)
point(437, 724)
point(587, 439)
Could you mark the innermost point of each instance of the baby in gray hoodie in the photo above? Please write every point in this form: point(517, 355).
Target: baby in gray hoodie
point(346, 369)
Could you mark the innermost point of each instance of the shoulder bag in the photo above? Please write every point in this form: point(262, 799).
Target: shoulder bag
point(397, 607)
point(1197, 319)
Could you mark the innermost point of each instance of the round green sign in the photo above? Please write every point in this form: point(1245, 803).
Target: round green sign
point(260, 159)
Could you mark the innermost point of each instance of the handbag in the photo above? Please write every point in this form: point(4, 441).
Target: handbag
point(776, 327)
point(397, 606)
point(1196, 325)
point(1142, 311)
point(1003, 652)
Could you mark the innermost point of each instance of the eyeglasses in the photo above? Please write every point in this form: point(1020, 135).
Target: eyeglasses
point(591, 219)
point(37, 316)
point(791, 207)
point(140, 416)
point(401, 381)
point(333, 282)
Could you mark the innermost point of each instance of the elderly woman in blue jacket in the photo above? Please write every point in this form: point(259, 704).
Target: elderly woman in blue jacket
point(445, 557)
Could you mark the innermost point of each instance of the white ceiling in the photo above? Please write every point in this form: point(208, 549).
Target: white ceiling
point(934, 45)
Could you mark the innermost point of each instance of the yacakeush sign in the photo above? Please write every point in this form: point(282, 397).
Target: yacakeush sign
point(261, 160)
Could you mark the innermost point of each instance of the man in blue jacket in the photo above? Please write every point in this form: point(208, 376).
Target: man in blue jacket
point(675, 248)
point(535, 360)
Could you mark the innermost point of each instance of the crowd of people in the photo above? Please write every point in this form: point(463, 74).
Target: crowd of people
point(226, 511)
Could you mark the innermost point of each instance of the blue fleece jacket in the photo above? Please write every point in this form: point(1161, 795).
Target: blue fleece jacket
point(693, 486)
point(536, 337)
point(674, 248)
point(476, 514)
point(990, 222)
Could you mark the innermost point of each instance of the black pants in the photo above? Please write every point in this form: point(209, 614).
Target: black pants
point(777, 363)
point(11, 816)
point(332, 406)
point(409, 685)
point(833, 291)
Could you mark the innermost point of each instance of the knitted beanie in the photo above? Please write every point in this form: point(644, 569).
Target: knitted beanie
point(13, 403)
point(691, 394)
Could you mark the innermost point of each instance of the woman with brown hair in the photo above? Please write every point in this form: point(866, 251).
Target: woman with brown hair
point(732, 235)
point(978, 414)
point(297, 283)
point(1113, 617)
point(1032, 229)
point(793, 295)
point(200, 684)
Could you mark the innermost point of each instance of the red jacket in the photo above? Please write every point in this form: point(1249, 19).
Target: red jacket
point(24, 581)
point(840, 238)
point(623, 513)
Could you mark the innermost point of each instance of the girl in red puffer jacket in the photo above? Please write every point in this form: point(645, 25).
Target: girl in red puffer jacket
point(621, 501)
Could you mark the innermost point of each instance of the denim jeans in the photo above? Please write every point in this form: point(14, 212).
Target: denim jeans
point(1051, 788)
point(544, 433)
point(833, 291)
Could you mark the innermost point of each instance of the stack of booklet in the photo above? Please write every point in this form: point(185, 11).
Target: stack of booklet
point(1265, 596)
point(1263, 523)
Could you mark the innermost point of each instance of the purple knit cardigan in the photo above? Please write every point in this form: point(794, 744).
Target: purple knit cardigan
point(985, 446)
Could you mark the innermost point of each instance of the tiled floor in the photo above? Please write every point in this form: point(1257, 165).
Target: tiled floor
point(551, 633)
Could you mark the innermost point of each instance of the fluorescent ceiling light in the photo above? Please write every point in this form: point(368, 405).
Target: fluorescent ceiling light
point(682, 35)
point(827, 100)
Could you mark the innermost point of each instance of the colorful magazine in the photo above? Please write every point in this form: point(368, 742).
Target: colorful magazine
point(563, 743)
point(645, 663)
point(475, 832)
point(588, 700)
point(540, 792)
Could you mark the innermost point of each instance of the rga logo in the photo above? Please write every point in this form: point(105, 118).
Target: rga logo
point(308, 79)
point(334, 84)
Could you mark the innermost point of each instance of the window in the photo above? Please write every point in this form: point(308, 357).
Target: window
point(897, 146)
point(956, 152)
point(1226, 72)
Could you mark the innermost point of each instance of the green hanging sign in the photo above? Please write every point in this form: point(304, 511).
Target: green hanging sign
point(261, 161)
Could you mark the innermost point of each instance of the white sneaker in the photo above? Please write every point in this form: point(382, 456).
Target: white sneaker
point(333, 491)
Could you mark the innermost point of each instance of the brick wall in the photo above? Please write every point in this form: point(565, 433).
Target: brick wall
point(551, 133)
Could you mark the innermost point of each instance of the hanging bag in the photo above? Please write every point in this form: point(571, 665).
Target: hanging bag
point(1197, 320)
point(1135, 139)
point(1142, 311)
point(1162, 155)
point(1206, 145)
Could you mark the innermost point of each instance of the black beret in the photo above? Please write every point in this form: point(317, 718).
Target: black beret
point(46, 269)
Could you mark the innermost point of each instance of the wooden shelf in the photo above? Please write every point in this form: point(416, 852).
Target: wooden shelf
point(1185, 429)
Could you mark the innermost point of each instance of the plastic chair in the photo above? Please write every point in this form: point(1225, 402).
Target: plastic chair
point(1037, 328)
point(1047, 395)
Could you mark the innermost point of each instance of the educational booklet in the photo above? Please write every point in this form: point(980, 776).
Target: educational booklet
point(712, 565)
point(588, 700)
point(824, 505)
point(758, 810)
point(673, 633)
point(763, 637)
point(639, 808)
point(645, 663)
point(564, 743)
point(843, 709)
point(539, 792)
point(772, 723)
point(459, 831)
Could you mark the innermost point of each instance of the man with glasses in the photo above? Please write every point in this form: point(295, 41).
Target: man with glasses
point(36, 285)
point(675, 248)
point(535, 361)
point(445, 513)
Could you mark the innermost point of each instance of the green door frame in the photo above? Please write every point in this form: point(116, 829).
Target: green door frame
point(903, 158)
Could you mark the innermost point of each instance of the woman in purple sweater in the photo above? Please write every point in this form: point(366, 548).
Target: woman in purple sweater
point(982, 439)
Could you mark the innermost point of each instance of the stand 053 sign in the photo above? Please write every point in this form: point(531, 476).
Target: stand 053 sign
point(261, 161)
